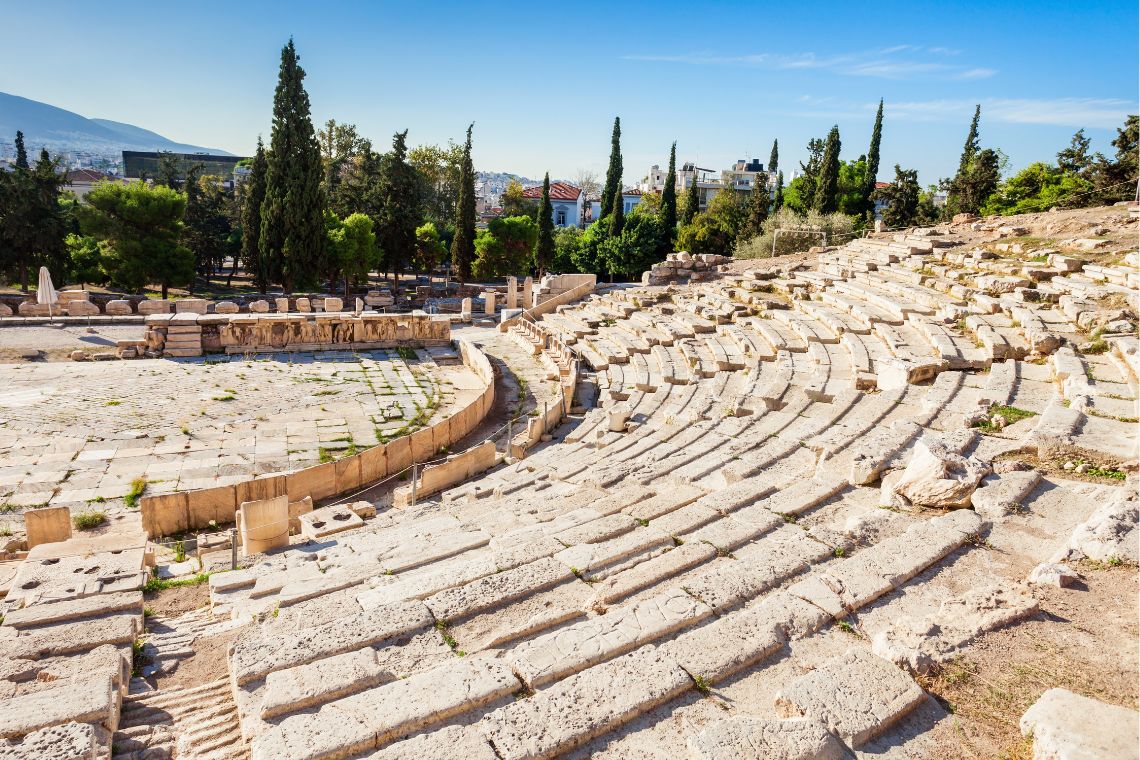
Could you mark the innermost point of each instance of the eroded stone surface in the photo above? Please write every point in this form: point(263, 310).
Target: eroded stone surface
point(747, 738)
point(1067, 726)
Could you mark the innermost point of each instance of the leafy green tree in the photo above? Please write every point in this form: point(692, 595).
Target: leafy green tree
point(168, 170)
point(463, 244)
point(21, 152)
point(759, 201)
point(692, 203)
point(86, 260)
point(505, 247)
point(140, 227)
point(341, 146)
point(207, 227)
point(253, 195)
point(614, 170)
point(868, 190)
point(585, 256)
point(838, 228)
point(440, 170)
point(355, 248)
point(400, 210)
point(1037, 187)
point(293, 241)
point(33, 222)
point(430, 249)
point(567, 241)
point(970, 189)
point(827, 188)
point(901, 198)
point(669, 203)
point(634, 249)
point(544, 245)
point(705, 234)
point(515, 203)
point(1116, 180)
point(850, 197)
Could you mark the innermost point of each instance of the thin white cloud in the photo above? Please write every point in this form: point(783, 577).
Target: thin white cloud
point(1103, 113)
point(895, 62)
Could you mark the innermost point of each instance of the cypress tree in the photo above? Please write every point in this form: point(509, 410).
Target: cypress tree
point(959, 197)
point(778, 201)
point(970, 149)
point(669, 203)
point(293, 239)
point(400, 211)
point(617, 215)
point(758, 202)
point(827, 185)
point(692, 202)
point(544, 246)
point(774, 158)
point(21, 152)
point(251, 219)
point(463, 244)
point(873, 162)
point(614, 172)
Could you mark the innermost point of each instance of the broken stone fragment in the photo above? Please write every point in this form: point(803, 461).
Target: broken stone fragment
point(1067, 726)
point(1052, 574)
point(937, 476)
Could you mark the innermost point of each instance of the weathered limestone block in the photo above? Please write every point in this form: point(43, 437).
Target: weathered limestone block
point(304, 305)
point(856, 695)
point(119, 307)
point(5, 310)
point(1001, 495)
point(445, 744)
point(264, 524)
point(1052, 574)
point(333, 304)
point(47, 525)
point(82, 308)
point(191, 306)
point(374, 717)
point(550, 657)
point(327, 521)
point(1112, 531)
point(260, 306)
point(68, 741)
point(498, 589)
point(75, 609)
point(226, 307)
point(154, 307)
point(95, 700)
point(323, 681)
point(743, 736)
point(281, 305)
point(937, 476)
point(585, 705)
point(1067, 726)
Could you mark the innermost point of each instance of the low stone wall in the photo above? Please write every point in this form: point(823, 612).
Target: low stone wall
point(562, 363)
point(587, 285)
point(168, 514)
point(256, 333)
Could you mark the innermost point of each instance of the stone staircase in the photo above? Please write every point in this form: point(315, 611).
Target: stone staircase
point(198, 723)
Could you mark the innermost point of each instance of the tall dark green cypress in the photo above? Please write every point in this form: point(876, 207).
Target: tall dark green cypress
point(959, 196)
point(778, 201)
point(400, 211)
point(873, 163)
point(759, 200)
point(544, 246)
point(692, 202)
point(251, 219)
point(774, 158)
point(293, 240)
point(669, 203)
point(827, 185)
point(21, 152)
point(970, 149)
point(614, 171)
point(617, 214)
point(463, 244)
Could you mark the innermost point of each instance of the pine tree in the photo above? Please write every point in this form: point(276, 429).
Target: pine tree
point(21, 152)
point(400, 209)
point(692, 203)
point(617, 215)
point(873, 163)
point(827, 186)
point(759, 200)
point(293, 240)
point(669, 204)
point(251, 220)
point(614, 172)
point(774, 158)
point(463, 244)
point(778, 201)
point(544, 246)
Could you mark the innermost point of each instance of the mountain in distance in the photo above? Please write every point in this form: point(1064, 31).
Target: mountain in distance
point(58, 129)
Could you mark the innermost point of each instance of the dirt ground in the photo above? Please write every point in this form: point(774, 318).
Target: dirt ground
point(172, 602)
point(206, 666)
point(1084, 639)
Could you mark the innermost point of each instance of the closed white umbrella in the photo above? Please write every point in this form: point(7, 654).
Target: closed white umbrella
point(45, 293)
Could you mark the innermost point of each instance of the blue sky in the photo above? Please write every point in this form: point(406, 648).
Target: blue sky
point(543, 81)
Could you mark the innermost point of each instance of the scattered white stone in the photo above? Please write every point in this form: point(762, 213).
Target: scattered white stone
point(938, 476)
point(1052, 574)
point(1067, 726)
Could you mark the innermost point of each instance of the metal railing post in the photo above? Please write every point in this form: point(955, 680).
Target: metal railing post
point(233, 549)
point(413, 484)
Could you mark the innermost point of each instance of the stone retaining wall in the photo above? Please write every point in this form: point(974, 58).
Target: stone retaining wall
point(549, 305)
point(168, 514)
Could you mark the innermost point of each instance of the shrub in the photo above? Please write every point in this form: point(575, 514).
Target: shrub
point(89, 519)
point(839, 228)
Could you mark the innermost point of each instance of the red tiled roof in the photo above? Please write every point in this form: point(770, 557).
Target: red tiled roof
point(881, 185)
point(559, 191)
point(85, 175)
point(631, 191)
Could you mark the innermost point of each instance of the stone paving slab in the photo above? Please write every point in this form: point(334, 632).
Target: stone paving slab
point(743, 736)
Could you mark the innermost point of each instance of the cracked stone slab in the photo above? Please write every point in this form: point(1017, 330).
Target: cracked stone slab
point(498, 589)
point(743, 737)
point(70, 741)
point(856, 695)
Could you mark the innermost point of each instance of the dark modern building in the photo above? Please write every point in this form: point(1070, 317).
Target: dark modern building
point(145, 163)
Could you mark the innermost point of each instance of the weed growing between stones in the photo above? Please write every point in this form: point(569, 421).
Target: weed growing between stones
point(89, 519)
point(138, 486)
